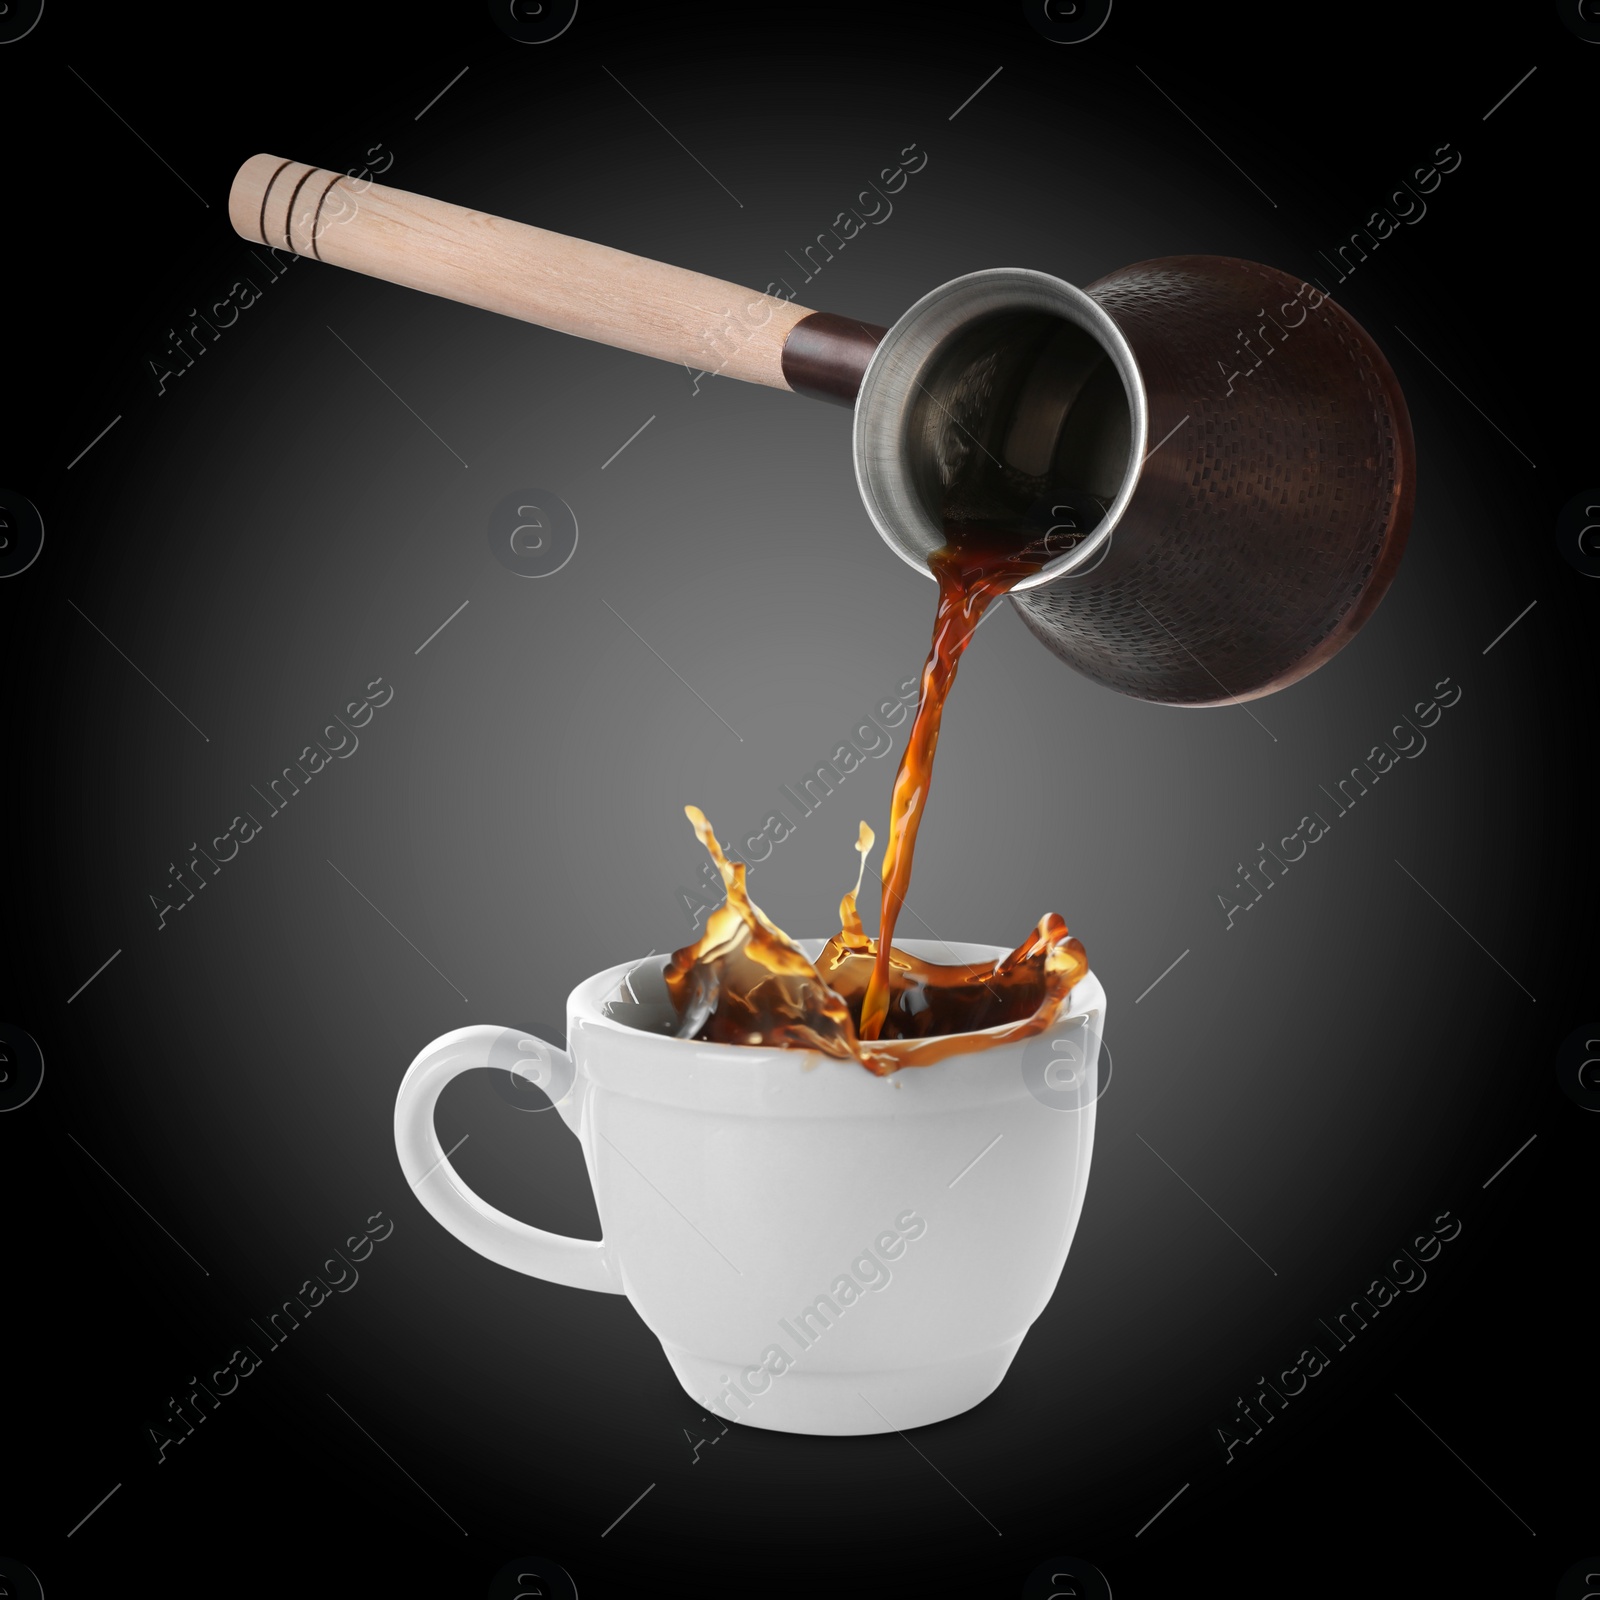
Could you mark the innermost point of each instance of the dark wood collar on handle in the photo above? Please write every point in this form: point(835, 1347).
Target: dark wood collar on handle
point(826, 356)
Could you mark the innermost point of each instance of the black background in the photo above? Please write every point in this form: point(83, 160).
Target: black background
point(276, 529)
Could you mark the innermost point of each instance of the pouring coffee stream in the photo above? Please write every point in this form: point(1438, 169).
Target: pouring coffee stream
point(977, 565)
point(745, 982)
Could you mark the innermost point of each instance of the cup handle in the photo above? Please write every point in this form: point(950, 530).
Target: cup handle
point(578, 1263)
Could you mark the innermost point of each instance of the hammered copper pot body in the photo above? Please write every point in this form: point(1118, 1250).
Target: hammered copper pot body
point(1271, 510)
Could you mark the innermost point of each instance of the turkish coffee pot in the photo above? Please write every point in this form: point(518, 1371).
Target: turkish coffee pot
point(1214, 456)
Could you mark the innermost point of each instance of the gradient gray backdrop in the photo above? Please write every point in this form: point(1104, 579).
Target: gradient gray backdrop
point(283, 526)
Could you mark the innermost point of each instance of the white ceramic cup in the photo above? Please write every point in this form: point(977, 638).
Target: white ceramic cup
point(818, 1249)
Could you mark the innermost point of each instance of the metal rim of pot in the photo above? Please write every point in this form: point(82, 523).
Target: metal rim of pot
point(912, 348)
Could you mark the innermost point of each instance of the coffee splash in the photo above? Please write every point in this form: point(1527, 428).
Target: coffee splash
point(746, 982)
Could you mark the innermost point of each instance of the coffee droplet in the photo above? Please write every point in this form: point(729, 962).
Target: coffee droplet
point(849, 918)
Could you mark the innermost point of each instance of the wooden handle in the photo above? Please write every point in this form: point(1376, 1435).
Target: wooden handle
point(558, 282)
